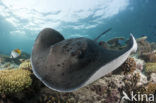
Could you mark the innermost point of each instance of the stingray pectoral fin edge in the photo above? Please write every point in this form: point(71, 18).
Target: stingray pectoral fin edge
point(114, 64)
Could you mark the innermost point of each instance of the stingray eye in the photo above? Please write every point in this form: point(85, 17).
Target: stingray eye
point(81, 54)
point(78, 53)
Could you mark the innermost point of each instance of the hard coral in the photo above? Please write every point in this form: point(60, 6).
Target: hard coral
point(139, 64)
point(150, 67)
point(113, 97)
point(153, 77)
point(127, 67)
point(26, 65)
point(15, 80)
point(151, 88)
point(142, 78)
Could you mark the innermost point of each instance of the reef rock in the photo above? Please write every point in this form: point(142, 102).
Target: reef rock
point(1, 60)
point(142, 78)
point(139, 63)
point(103, 90)
point(153, 77)
point(153, 46)
point(149, 57)
point(24, 55)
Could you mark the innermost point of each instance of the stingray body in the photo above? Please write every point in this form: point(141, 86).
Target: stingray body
point(66, 65)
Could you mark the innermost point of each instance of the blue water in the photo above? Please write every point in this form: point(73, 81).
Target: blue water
point(22, 20)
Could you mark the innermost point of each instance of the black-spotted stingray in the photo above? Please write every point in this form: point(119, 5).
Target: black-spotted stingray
point(66, 65)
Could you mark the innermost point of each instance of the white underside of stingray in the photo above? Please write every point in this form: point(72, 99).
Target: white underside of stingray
point(107, 68)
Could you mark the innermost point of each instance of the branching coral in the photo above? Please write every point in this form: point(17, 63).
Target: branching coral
point(15, 80)
point(150, 67)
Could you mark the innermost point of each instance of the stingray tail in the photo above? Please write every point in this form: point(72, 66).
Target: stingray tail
point(102, 34)
point(133, 43)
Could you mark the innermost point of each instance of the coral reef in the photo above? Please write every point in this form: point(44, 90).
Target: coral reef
point(149, 57)
point(1, 60)
point(142, 78)
point(7, 63)
point(153, 77)
point(12, 81)
point(50, 99)
point(113, 97)
point(127, 67)
point(137, 74)
point(139, 63)
point(150, 67)
point(48, 96)
point(115, 44)
point(150, 88)
point(24, 55)
point(153, 46)
point(143, 46)
point(26, 65)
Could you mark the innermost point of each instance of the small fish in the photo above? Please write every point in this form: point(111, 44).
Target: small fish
point(15, 53)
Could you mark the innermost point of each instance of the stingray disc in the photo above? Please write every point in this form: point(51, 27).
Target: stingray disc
point(66, 65)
